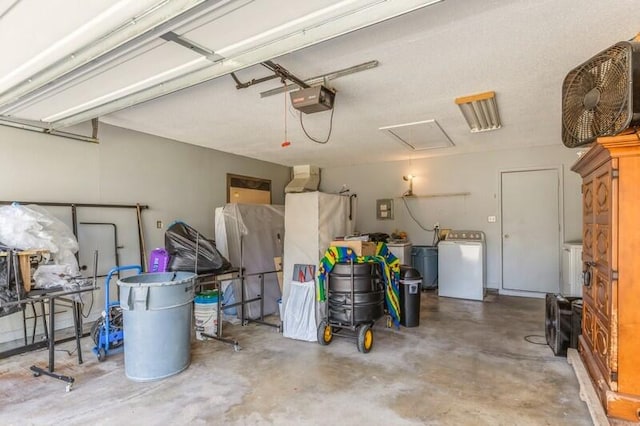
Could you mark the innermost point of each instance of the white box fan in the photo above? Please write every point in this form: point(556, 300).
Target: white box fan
point(601, 97)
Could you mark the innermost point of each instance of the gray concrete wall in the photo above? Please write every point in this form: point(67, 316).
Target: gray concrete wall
point(477, 173)
point(176, 180)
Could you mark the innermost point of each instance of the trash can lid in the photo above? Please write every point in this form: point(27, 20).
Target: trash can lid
point(157, 279)
point(407, 273)
point(208, 293)
point(206, 300)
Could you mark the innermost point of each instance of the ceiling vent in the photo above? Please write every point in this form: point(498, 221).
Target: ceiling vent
point(305, 178)
point(420, 136)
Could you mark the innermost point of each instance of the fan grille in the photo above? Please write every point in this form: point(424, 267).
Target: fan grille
point(596, 97)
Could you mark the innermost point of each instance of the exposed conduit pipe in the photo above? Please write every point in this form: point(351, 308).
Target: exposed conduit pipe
point(39, 129)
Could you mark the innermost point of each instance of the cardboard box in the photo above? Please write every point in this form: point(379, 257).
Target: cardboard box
point(361, 248)
point(27, 260)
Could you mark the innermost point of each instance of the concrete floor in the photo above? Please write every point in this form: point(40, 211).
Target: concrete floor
point(467, 364)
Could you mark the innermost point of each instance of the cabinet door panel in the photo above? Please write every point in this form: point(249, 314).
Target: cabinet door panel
point(602, 248)
point(602, 193)
point(602, 295)
point(588, 319)
point(587, 242)
point(601, 347)
point(588, 219)
point(587, 197)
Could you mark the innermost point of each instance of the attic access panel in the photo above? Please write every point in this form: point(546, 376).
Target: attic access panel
point(420, 135)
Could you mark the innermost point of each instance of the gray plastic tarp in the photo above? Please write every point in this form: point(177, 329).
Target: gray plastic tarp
point(251, 236)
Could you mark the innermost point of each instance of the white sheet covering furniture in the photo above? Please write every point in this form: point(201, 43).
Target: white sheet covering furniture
point(312, 220)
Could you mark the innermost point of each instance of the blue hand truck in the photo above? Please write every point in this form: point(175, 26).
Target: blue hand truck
point(107, 332)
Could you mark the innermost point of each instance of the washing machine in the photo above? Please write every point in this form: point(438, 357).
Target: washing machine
point(462, 265)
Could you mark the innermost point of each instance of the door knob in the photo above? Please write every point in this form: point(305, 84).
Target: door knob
point(586, 273)
point(506, 235)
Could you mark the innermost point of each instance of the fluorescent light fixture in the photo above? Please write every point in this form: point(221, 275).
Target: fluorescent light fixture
point(123, 27)
point(321, 25)
point(193, 65)
point(480, 111)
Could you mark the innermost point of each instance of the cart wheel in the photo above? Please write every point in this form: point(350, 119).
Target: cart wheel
point(365, 338)
point(36, 374)
point(95, 330)
point(69, 386)
point(325, 334)
point(102, 354)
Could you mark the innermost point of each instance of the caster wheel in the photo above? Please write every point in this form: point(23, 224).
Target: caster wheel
point(36, 374)
point(102, 354)
point(236, 347)
point(389, 321)
point(325, 333)
point(68, 388)
point(365, 338)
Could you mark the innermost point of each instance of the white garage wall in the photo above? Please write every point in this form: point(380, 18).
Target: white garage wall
point(176, 180)
point(477, 173)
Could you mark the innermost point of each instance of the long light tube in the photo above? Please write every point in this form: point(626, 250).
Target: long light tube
point(190, 66)
point(123, 27)
point(324, 24)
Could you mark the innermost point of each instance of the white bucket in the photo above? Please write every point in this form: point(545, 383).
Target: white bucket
point(206, 319)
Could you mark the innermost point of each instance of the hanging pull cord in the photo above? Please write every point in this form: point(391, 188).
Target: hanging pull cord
point(284, 83)
point(330, 127)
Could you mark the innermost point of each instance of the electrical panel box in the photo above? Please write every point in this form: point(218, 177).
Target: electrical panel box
point(384, 209)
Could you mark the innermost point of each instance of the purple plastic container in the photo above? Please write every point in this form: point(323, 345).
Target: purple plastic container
point(159, 260)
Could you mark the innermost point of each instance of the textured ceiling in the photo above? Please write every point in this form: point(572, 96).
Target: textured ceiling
point(521, 49)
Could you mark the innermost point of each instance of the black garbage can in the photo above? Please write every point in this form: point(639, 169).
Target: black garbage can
point(410, 286)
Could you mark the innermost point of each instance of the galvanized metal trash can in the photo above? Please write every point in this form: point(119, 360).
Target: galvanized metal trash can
point(157, 312)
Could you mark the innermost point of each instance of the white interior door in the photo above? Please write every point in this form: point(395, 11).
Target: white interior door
point(531, 231)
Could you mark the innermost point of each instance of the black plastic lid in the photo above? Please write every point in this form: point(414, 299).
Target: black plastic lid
point(407, 272)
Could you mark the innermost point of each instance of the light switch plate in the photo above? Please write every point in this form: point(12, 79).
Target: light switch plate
point(384, 209)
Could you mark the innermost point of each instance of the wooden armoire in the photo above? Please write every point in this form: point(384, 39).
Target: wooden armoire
point(610, 341)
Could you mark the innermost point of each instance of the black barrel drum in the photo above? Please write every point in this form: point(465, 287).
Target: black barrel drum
point(368, 293)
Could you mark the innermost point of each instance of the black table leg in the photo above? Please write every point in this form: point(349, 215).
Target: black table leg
point(77, 323)
point(44, 320)
point(38, 371)
point(52, 339)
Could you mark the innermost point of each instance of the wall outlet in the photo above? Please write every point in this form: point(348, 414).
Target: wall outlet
point(159, 224)
point(491, 219)
point(384, 208)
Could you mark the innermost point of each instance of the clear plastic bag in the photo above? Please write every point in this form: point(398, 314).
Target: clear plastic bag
point(300, 312)
point(33, 227)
